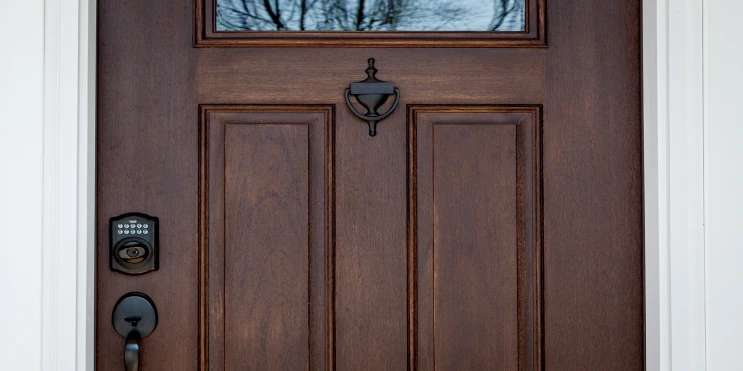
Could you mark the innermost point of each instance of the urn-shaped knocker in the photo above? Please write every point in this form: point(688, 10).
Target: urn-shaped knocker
point(372, 94)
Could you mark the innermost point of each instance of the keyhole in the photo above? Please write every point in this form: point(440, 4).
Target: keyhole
point(133, 320)
point(132, 252)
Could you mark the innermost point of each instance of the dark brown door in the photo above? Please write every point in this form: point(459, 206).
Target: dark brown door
point(494, 221)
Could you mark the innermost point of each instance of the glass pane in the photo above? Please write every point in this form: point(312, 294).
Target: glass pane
point(370, 15)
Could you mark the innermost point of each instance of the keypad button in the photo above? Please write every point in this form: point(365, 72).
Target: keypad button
point(139, 231)
point(145, 231)
point(121, 226)
point(120, 231)
point(146, 225)
point(126, 231)
point(126, 225)
point(139, 225)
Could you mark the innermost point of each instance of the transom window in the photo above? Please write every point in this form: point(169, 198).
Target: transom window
point(370, 15)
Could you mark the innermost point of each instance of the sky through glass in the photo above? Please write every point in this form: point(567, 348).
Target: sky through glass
point(370, 15)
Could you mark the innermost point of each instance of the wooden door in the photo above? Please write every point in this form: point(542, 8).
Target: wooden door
point(494, 221)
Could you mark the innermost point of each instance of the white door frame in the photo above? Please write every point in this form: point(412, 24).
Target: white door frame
point(68, 247)
point(674, 173)
point(674, 184)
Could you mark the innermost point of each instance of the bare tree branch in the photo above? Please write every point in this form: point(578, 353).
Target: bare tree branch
point(274, 14)
point(506, 10)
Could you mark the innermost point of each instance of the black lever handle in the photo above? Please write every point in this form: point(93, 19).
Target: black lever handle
point(131, 351)
point(134, 317)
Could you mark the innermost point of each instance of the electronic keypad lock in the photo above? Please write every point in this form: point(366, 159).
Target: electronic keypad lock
point(133, 243)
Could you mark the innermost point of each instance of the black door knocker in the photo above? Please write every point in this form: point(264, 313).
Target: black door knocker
point(372, 94)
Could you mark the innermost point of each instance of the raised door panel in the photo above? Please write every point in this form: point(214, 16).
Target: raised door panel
point(475, 247)
point(265, 289)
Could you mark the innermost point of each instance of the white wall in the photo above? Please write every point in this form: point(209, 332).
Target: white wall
point(21, 169)
point(723, 125)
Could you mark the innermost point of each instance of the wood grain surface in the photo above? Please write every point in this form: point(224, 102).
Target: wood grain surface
point(475, 206)
point(265, 185)
point(147, 161)
point(593, 214)
point(495, 221)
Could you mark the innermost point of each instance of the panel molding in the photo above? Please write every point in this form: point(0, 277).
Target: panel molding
point(214, 119)
point(528, 122)
point(534, 36)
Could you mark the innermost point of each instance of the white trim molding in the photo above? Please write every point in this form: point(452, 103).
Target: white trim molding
point(674, 184)
point(69, 186)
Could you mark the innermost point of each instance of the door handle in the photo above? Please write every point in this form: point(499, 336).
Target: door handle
point(134, 317)
point(131, 351)
point(372, 94)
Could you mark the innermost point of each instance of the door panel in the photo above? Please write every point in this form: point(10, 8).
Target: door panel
point(266, 181)
point(266, 246)
point(475, 209)
point(494, 222)
point(474, 270)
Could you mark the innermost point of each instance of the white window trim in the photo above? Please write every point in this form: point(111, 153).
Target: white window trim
point(674, 154)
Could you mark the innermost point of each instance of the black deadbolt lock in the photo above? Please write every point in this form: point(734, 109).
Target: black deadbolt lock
point(134, 243)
